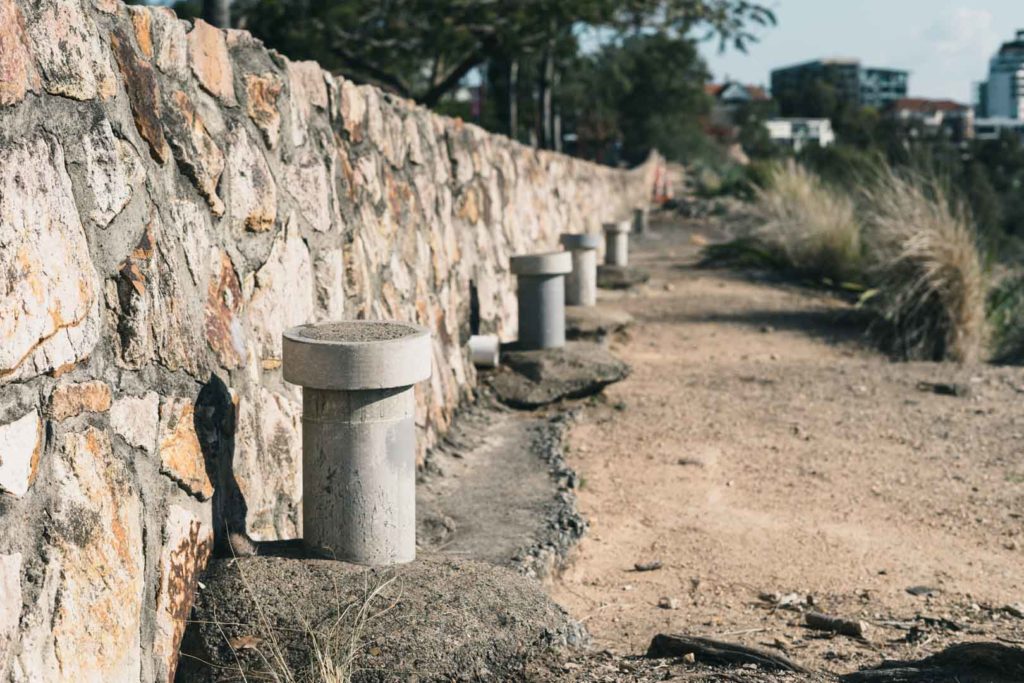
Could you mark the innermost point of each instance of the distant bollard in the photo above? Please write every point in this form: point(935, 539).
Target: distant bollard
point(581, 283)
point(359, 435)
point(541, 294)
point(640, 218)
point(616, 243)
point(485, 350)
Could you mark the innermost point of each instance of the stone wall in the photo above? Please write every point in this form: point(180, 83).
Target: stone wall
point(172, 197)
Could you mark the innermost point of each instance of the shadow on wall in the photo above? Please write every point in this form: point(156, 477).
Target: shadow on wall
point(215, 423)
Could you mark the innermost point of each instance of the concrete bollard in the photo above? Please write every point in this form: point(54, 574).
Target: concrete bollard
point(581, 283)
point(485, 350)
point(359, 435)
point(640, 216)
point(541, 294)
point(616, 249)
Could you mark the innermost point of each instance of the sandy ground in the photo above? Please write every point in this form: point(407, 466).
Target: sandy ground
point(769, 458)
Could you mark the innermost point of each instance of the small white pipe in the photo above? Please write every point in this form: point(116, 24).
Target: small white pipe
point(485, 350)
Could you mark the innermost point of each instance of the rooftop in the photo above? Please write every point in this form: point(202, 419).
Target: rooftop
point(920, 104)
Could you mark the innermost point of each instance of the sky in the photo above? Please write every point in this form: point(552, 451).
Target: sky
point(945, 44)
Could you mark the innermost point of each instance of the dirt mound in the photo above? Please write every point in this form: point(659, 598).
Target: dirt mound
point(436, 619)
point(595, 322)
point(621, 277)
point(529, 379)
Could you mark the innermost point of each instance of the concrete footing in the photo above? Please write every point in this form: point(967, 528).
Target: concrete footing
point(530, 379)
point(617, 243)
point(595, 322)
point(485, 350)
point(541, 295)
point(621, 277)
point(581, 283)
point(358, 435)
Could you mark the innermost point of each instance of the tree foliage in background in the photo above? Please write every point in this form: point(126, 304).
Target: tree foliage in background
point(422, 48)
point(639, 86)
point(645, 92)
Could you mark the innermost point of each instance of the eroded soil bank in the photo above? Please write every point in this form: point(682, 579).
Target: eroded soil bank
point(774, 463)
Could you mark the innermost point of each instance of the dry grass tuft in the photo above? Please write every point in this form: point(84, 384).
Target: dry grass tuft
point(338, 645)
point(335, 647)
point(927, 268)
point(809, 225)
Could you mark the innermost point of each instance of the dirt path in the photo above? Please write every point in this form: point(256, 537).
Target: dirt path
point(759, 447)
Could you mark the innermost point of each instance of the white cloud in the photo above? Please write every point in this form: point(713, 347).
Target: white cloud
point(963, 32)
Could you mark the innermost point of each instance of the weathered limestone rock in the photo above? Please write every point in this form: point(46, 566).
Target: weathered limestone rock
point(112, 169)
point(181, 456)
point(154, 300)
point(169, 33)
point(10, 603)
point(17, 72)
point(329, 274)
point(85, 622)
point(137, 420)
point(252, 192)
point(374, 117)
point(49, 308)
point(142, 23)
point(261, 95)
point(187, 544)
point(352, 109)
point(224, 331)
point(143, 93)
point(194, 148)
point(74, 62)
point(20, 447)
point(454, 619)
point(530, 379)
point(282, 294)
point(310, 182)
point(69, 400)
point(193, 223)
point(208, 54)
point(308, 90)
point(268, 465)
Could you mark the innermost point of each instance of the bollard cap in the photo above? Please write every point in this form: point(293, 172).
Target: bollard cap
point(576, 242)
point(357, 354)
point(551, 263)
point(618, 226)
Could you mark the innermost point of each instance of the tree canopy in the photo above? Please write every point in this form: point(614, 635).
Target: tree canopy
point(423, 48)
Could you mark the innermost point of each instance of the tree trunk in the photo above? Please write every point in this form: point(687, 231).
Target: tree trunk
point(556, 117)
point(547, 77)
point(217, 12)
point(513, 99)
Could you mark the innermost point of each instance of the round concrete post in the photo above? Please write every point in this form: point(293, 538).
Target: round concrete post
point(484, 350)
point(359, 435)
point(581, 283)
point(640, 220)
point(541, 294)
point(616, 250)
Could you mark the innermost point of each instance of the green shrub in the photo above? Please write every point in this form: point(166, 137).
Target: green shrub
point(1006, 319)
